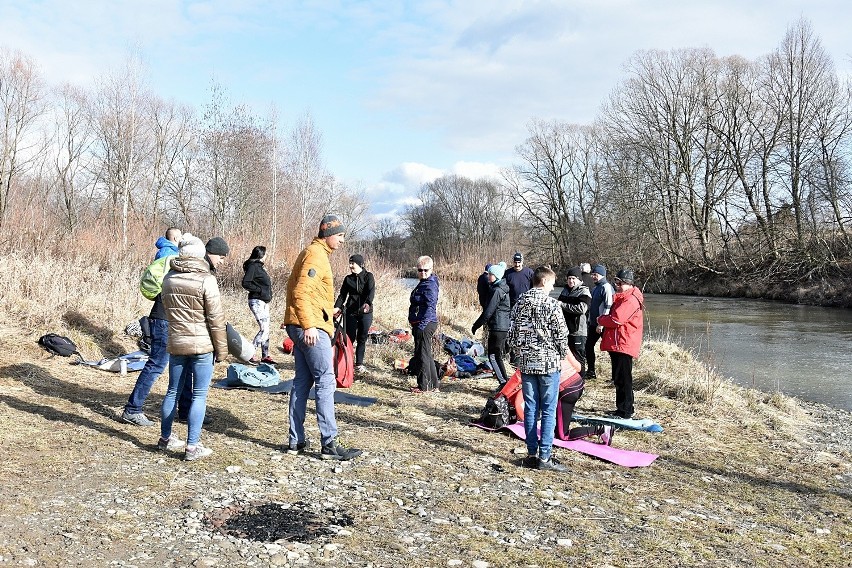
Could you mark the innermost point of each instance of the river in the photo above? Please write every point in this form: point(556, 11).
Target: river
point(802, 351)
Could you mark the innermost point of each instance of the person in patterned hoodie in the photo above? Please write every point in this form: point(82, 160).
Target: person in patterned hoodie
point(538, 338)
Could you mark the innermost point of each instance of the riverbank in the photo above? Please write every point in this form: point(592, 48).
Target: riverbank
point(743, 478)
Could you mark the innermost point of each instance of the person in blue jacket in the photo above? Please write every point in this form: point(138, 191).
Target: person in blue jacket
point(423, 317)
point(167, 245)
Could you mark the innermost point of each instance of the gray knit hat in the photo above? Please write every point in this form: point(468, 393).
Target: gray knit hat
point(331, 225)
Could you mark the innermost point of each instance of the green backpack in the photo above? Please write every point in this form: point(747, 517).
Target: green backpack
point(152, 277)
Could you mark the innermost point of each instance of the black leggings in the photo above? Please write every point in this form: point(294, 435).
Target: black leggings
point(496, 344)
point(358, 329)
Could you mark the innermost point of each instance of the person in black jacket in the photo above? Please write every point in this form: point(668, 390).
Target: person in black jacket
point(496, 316)
point(259, 286)
point(356, 302)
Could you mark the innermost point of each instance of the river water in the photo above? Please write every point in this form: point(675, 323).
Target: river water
point(802, 351)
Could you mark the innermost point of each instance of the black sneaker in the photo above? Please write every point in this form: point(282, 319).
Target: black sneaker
point(207, 420)
point(530, 462)
point(589, 376)
point(337, 451)
point(551, 465)
point(298, 448)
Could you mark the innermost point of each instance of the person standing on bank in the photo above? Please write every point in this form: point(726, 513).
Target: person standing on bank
point(601, 303)
point(622, 337)
point(308, 319)
point(356, 302)
point(197, 339)
point(259, 285)
point(496, 315)
point(423, 317)
point(518, 278)
point(575, 299)
point(538, 338)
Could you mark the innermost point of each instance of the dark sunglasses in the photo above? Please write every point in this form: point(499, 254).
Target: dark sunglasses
point(423, 269)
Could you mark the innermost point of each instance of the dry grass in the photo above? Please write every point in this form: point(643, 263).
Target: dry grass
point(744, 478)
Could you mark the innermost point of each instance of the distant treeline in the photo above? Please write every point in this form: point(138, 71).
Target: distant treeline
point(699, 169)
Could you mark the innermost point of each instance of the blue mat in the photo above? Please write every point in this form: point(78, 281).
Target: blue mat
point(340, 397)
point(645, 425)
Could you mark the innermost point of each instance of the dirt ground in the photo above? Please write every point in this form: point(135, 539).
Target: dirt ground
point(751, 480)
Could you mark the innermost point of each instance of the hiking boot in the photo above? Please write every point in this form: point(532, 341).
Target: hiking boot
point(551, 465)
point(298, 448)
point(605, 434)
point(173, 444)
point(137, 418)
point(530, 462)
point(196, 453)
point(337, 451)
point(268, 360)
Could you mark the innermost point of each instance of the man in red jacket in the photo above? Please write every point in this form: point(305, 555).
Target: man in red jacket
point(622, 337)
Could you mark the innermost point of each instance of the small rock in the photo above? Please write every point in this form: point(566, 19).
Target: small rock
point(778, 547)
point(480, 564)
point(564, 542)
point(205, 562)
point(280, 559)
point(250, 462)
point(822, 531)
point(233, 469)
point(454, 562)
point(344, 532)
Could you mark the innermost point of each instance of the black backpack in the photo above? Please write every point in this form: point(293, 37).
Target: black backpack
point(496, 412)
point(58, 345)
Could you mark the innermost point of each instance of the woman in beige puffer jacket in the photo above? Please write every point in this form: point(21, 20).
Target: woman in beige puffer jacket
point(197, 338)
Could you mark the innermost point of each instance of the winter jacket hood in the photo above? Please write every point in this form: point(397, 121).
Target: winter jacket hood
point(165, 247)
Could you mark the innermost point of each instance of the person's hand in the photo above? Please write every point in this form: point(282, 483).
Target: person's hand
point(311, 336)
point(336, 313)
point(283, 326)
point(365, 308)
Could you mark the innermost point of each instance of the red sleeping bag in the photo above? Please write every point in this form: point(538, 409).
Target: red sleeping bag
point(569, 378)
point(344, 358)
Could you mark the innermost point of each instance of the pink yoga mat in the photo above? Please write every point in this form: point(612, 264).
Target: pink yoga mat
point(618, 456)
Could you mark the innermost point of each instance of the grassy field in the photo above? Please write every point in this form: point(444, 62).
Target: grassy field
point(743, 479)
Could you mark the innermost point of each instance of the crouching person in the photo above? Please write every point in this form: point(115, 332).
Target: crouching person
point(197, 339)
point(538, 338)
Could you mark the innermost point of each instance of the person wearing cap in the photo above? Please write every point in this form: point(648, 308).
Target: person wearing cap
point(483, 287)
point(308, 319)
point(601, 303)
point(197, 338)
point(423, 317)
point(355, 300)
point(496, 315)
point(574, 300)
point(518, 278)
point(622, 338)
point(259, 285)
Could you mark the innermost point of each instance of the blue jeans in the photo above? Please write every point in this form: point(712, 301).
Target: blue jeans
point(541, 392)
point(200, 368)
point(314, 367)
point(154, 367)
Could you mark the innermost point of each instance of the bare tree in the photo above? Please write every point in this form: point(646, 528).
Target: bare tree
point(22, 93)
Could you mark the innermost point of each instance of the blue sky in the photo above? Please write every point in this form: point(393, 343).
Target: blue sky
point(402, 91)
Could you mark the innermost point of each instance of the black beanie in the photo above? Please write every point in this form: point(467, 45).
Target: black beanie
point(357, 259)
point(217, 245)
point(575, 271)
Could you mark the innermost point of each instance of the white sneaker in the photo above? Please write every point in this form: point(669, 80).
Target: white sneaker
point(605, 437)
point(196, 453)
point(173, 444)
point(360, 369)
